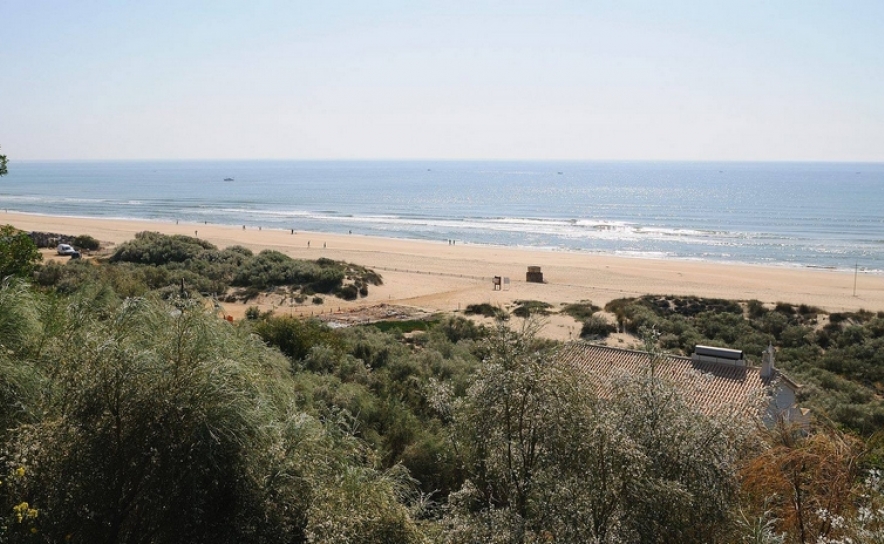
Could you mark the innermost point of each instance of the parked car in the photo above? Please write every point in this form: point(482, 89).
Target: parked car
point(65, 249)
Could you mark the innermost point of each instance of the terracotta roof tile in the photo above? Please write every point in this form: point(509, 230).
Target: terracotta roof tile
point(714, 386)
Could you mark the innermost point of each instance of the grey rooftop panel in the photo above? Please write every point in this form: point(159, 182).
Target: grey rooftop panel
point(721, 353)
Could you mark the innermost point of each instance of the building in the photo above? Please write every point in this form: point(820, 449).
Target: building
point(715, 379)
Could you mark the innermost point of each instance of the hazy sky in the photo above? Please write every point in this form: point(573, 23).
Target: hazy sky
point(704, 80)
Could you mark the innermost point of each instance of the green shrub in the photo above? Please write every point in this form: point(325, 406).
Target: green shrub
point(158, 249)
point(410, 325)
point(456, 328)
point(294, 337)
point(756, 308)
point(167, 260)
point(18, 253)
point(837, 317)
point(485, 309)
point(580, 311)
point(86, 242)
point(811, 311)
point(527, 308)
point(178, 450)
point(348, 292)
point(597, 327)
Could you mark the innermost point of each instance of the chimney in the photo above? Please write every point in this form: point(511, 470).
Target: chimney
point(767, 362)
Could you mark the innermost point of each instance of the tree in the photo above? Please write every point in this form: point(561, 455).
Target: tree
point(513, 436)
point(684, 486)
point(18, 253)
point(552, 456)
point(3, 161)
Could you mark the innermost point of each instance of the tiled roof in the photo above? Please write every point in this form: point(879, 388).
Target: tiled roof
point(711, 386)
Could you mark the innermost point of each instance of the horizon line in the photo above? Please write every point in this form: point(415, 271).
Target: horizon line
point(443, 159)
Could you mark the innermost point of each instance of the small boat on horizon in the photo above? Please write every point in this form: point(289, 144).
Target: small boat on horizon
point(228, 179)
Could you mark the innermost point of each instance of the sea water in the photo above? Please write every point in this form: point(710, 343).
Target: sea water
point(827, 215)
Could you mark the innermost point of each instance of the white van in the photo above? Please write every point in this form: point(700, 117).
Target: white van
point(65, 249)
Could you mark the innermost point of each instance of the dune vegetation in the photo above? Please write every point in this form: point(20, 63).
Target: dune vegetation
point(132, 412)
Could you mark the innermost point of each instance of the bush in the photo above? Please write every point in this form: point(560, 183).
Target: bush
point(597, 327)
point(253, 313)
point(158, 249)
point(177, 451)
point(294, 337)
point(158, 261)
point(581, 311)
point(18, 253)
point(486, 310)
point(409, 325)
point(271, 268)
point(155, 422)
point(456, 329)
point(527, 308)
point(348, 292)
point(86, 242)
point(756, 308)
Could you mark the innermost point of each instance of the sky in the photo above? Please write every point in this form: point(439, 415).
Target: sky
point(588, 80)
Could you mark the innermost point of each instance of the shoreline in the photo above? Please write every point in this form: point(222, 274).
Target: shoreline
point(538, 249)
point(439, 277)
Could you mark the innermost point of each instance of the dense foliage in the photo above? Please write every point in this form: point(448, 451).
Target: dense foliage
point(18, 254)
point(84, 242)
point(174, 263)
point(149, 421)
point(536, 442)
point(596, 327)
point(132, 414)
point(386, 384)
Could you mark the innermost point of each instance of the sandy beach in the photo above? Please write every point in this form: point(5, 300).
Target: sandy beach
point(436, 276)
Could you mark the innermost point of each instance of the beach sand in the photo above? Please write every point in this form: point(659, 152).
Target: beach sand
point(435, 276)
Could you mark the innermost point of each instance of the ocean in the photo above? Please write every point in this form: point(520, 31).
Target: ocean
point(825, 215)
